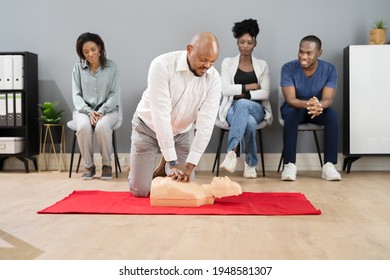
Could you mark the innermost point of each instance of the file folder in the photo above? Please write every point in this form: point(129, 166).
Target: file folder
point(18, 109)
point(18, 71)
point(10, 109)
point(2, 72)
point(3, 109)
point(8, 72)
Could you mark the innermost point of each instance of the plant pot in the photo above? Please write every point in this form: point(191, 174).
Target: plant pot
point(51, 133)
point(377, 36)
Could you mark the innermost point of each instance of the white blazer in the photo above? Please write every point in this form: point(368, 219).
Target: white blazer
point(230, 89)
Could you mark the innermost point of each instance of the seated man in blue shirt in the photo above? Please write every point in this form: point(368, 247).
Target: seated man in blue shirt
point(309, 86)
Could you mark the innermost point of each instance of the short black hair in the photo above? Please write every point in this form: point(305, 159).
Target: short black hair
point(313, 39)
point(91, 37)
point(246, 26)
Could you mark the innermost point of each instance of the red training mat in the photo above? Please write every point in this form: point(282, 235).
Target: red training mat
point(248, 203)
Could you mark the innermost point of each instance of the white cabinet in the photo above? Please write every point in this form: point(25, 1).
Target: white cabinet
point(366, 125)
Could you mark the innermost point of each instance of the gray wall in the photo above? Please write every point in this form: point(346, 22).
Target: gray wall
point(137, 31)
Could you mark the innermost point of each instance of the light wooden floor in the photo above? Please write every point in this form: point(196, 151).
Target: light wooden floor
point(354, 224)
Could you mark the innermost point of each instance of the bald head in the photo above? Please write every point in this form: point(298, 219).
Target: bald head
point(205, 40)
point(202, 52)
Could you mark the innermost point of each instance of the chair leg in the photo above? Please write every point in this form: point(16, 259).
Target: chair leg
point(116, 158)
point(119, 165)
point(218, 154)
point(72, 155)
point(280, 161)
point(78, 164)
point(261, 149)
point(71, 160)
point(318, 146)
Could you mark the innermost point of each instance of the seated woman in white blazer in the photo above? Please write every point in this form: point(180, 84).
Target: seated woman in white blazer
point(245, 94)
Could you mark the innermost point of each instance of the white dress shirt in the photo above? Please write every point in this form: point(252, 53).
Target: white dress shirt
point(176, 99)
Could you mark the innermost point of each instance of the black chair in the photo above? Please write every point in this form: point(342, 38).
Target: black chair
point(72, 125)
point(311, 127)
point(116, 158)
point(223, 128)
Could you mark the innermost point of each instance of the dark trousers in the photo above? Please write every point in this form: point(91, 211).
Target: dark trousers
point(293, 117)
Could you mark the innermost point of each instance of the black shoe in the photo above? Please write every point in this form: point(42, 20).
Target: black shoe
point(89, 173)
point(106, 172)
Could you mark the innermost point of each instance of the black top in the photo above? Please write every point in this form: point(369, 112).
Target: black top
point(245, 78)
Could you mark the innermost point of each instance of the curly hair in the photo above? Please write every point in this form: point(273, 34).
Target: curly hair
point(91, 37)
point(246, 26)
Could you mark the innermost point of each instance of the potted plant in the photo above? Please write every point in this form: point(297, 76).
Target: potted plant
point(49, 113)
point(378, 33)
point(50, 119)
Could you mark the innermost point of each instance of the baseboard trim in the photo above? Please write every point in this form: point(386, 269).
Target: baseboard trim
point(307, 161)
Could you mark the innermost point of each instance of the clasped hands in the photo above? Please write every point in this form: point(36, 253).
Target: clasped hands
point(314, 107)
point(94, 117)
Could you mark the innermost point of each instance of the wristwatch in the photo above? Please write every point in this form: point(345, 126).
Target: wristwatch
point(169, 165)
point(173, 163)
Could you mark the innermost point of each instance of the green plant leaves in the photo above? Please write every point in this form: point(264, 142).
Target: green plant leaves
point(379, 24)
point(50, 114)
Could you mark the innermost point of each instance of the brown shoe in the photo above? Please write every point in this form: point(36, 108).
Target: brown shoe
point(106, 173)
point(160, 169)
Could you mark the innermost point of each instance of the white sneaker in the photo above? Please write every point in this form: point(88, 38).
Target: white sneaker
point(330, 173)
point(289, 172)
point(250, 171)
point(230, 162)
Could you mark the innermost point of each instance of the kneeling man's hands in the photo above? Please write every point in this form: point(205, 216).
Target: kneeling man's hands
point(181, 173)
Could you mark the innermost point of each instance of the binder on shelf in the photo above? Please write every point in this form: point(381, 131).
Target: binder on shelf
point(10, 109)
point(18, 71)
point(2, 72)
point(8, 72)
point(18, 103)
point(3, 109)
point(18, 109)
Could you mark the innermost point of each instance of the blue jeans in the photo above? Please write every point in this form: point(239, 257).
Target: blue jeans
point(243, 117)
point(293, 117)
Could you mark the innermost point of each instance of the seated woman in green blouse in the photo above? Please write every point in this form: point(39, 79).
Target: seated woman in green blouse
point(95, 90)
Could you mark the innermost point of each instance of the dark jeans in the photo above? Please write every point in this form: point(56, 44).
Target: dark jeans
point(293, 117)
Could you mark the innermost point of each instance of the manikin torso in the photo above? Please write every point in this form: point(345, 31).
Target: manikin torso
point(167, 192)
